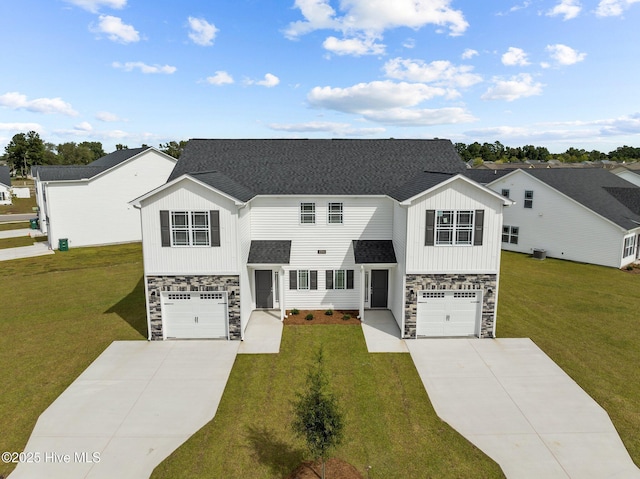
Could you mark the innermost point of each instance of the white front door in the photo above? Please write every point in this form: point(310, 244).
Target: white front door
point(195, 314)
point(448, 313)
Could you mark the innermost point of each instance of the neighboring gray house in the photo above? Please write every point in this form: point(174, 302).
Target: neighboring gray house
point(5, 185)
point(587, 215)
point(320, 224)
point(631, 173)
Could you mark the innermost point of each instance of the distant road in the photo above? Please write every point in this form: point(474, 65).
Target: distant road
point(18, 217)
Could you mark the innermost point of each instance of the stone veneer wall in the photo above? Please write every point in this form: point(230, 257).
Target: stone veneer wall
point(460, 282)
point(230, 284)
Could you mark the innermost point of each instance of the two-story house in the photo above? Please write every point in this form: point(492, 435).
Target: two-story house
point(320, 224)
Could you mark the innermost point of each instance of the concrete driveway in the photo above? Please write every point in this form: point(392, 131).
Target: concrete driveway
point(129, 410)
point(514, 403)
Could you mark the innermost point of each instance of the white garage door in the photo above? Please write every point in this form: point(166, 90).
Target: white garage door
point(195, 314)
point(448, 313)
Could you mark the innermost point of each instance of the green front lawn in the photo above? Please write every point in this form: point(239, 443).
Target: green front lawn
point(19, 241)
point(390, 424)
point(20, 205)
point(587, 319)
point(57, 314)
point(16, 225)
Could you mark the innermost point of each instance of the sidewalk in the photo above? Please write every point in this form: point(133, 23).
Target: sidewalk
point(37, 249)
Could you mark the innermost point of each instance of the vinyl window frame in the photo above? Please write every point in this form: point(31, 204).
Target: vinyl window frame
point(335, 213)
point(454, 227)
point(307, 213)
point(510, 234)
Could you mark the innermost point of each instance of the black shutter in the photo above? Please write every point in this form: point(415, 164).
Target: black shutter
point(165, 231)
point(479, 227)
point(329, 279)
point(293, 279)
point(349, 279)
point(313, 280)
point(214, 225)
point(430, 228)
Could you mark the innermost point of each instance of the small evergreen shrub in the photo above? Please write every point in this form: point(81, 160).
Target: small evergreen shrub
point(309, 317)
point(346, 317)
point(329, 312)
point(295, 311)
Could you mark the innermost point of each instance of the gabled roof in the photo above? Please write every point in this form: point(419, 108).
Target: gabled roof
point(373, 251)
point(608, 195)
point(314, 167)
point(82, 172)
point(269, 252)
point(486, 176)
point(5, 175)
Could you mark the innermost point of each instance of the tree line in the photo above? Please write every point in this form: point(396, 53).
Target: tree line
point(497, 152)
point(28, 149)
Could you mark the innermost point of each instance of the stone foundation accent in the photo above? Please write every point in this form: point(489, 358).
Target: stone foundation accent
point(156, 284)
point(460, 282)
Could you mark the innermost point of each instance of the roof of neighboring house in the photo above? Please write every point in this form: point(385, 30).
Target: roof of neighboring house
point(245, 168)
point(269, 252)
point(608, 195)
point(5, 176)
point(373, 251)
point(487, 176)
point(81, 172)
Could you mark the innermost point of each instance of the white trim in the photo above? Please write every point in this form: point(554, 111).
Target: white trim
point(505, 201)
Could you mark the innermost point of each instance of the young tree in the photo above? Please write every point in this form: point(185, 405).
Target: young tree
point(317, 418)
point(173, 148)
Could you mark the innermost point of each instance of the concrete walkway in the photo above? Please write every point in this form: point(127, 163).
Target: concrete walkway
point(263, 333)
point(37, 249)
point(20, 232)
point(129, 410)
point(381, 332)
point(514, 403)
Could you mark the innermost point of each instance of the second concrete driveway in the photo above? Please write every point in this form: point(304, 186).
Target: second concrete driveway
point(129, 410)
point(513, 402)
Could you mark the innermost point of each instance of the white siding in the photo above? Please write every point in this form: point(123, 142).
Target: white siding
point(278, 218)
point(97, 211)
point(559, 225)
point(630, 176)
point(6, 194)
point(396, 280)
point(187, 195)
point(458, 195)
point(247, 302)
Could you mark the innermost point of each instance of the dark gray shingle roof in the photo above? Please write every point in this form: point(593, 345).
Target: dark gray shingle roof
point(420, 182)
point(269, 252)
point(5, 175)
point(487, 176)
point(320, 167)
point(117, 157)
point(592, 188)
point(373, 251)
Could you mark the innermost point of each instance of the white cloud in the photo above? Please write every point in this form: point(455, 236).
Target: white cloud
point(565, 55)
point(84, 126)
point(409, 43)
point(441, 72)
point(335, 128)
point(354, 46)
point(18, 101)
point(115, 30)
point(421, 117)
point(107, 116)
point(21, 127)
point(220, 78)
point(519, 86)
point(202, 32)
point(269, 81)
point(375, 16)
point(569, 8)
point(94, 5)
point(469, 53)
point(144, 68)
point(613, 8)
point(515, 57)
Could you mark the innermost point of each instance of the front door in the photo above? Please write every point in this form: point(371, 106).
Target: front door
point(264, 288)
point(379, 288)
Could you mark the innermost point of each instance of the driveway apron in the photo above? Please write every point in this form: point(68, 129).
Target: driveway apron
point(515, 404)
point(129, 410)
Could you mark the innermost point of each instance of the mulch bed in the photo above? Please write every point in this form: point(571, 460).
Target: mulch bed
point(334, 469)
point(319, 317)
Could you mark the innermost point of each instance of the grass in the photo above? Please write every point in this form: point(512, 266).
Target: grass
point(390, 424)
point(587, 319)
point(18, 241)
point(58, 313)
point(16, 225)
point(20, 205)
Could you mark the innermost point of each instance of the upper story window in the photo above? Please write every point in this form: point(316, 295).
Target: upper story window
point(528, 199)
point(335, 213)
point(307, 213)
point(190, 228)
point(454, 228)
point(506, 193)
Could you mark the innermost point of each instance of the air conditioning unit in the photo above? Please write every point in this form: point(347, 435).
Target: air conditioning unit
point(539, 254)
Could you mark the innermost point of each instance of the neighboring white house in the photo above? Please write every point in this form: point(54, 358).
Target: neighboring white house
point(5, 185)
point(89, 204)
point(586, 215)
point(320, 224)
point(632, 175)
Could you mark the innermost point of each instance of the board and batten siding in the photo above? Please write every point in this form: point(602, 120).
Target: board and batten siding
point(457, 195)
point(187, 195)
point(278, 218)
point(247, 301)
point(397, 279)
point(97, 211)
point(560, 226)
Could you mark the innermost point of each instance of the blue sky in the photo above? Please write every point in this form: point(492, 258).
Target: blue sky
point(554, 73)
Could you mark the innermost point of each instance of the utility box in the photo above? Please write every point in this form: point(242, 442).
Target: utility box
point(539, 254)
point(63, 244)
point(33, 223)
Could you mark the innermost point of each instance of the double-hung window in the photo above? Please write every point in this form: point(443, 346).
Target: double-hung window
point(510, 234)
point(528, 199)
point(629, 246)
point(454, 227)
point(303, 279)
point(335, 213)
point(190, 228)
point(307, 213)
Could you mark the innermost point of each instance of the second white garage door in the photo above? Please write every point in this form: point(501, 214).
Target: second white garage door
point(195, 314)
point(448, 313)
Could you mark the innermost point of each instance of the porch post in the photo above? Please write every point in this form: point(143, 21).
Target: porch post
point(281, 289)
point(362, 286)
